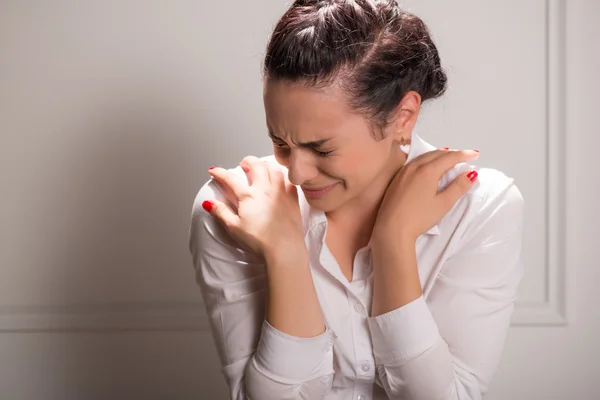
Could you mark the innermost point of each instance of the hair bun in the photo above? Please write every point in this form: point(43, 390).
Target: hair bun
point(379, 51)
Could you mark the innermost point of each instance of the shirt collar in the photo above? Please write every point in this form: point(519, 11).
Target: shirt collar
point(416, 147)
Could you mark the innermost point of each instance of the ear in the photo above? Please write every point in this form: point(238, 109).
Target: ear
point(405, 117)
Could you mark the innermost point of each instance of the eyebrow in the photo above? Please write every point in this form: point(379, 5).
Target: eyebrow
point(313, 144)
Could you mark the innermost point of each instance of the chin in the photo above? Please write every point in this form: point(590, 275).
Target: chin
point(325, 204)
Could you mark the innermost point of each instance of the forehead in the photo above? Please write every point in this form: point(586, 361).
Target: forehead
point(292, 106)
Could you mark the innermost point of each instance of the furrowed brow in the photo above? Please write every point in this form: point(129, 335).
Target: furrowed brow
point(313, 144)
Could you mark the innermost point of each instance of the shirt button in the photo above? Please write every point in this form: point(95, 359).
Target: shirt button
point(365, 367)
point(358, 308)
point(361, 397)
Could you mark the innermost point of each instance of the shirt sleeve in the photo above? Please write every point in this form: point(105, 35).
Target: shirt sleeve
point(257, 360)
point(449, 345)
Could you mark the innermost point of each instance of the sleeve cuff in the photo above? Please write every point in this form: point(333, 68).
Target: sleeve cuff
point(290, 359)
point(403, 333)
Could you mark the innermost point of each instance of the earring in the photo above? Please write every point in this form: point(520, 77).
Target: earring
point(404, 142)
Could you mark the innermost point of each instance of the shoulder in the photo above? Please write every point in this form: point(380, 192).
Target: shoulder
point(496, 189)
point(493, 206)
point(204, 229)
point(210, 190)
point(482, 235)
point(491, 186)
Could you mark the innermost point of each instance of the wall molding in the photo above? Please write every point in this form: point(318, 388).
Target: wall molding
point(113, 316)
point(191, 315)
point(552, 310)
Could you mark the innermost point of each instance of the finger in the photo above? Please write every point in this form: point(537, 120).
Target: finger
point(276, 175)
point(280, 180)
point(459, 186)
point(428, 157)
point(231, 185)
point(256, 170)
point(436, 154)
point(449, 159)
point(226, 190)
point(288, 186)
point(221, 212)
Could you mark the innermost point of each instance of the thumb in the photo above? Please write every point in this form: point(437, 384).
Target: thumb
point(221, 211)
point(457, 188)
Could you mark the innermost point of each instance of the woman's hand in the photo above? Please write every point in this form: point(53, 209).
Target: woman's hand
point(412, 204)
point(267, 209)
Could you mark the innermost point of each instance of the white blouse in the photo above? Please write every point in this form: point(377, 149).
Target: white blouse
point(444, 345)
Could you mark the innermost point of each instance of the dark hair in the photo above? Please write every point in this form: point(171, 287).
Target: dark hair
point(378, 51)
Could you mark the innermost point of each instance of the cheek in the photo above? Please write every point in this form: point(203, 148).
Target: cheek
point(364, 166)
point(354, 169)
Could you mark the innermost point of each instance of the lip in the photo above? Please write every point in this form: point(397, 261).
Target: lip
point(319, 191)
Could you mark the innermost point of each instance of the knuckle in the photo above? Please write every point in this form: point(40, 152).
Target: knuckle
point(464, 185)
point(227, 225)
point(411, 167)
point(244, 195)
point(463, 154)
point(428, 169)
point(452, 153)
point(461, 187)
point(260, 164)
point(217, 212)
point(249, 159)
point(453, 158)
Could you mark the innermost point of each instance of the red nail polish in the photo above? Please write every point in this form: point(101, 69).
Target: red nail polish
point(446, 148)
point(472, 175)
point(476, 150)
point(207, 205)
point(211, 167)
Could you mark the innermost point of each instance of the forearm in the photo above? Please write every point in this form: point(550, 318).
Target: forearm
point(292, 304)
point(294, 330)
point(395, 274)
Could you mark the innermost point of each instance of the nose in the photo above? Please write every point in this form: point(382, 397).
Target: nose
point(301, 168)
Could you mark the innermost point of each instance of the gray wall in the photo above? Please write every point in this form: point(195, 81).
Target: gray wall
point(111, 112)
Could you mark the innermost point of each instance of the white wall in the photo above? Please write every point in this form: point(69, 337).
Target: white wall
point(111, 112)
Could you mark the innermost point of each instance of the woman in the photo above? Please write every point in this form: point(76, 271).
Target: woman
point(358, 262)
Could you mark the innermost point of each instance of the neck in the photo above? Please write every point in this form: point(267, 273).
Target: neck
point(361, 211)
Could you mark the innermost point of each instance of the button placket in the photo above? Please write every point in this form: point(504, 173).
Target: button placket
point(359, 308)
point(363, 391)
point(362, 343)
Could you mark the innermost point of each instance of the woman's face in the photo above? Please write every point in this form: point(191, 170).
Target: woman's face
point(349, 158)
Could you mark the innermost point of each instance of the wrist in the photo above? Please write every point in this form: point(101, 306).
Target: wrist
point(291, 252)
point(402, 239)
point(396, 280)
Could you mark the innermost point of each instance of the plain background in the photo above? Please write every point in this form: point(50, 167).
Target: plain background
point(111, 112)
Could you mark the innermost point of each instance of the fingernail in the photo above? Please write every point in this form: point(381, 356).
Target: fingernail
point(472, 175)
point(446, 148)
point(207, 205)
point(476, 150)
point(211, 167)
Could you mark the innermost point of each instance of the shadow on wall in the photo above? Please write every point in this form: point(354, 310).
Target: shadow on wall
point(128, 204)
point(127, 201)
point(110, 108)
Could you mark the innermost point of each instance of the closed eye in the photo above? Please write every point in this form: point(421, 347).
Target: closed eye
point(283, 145)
